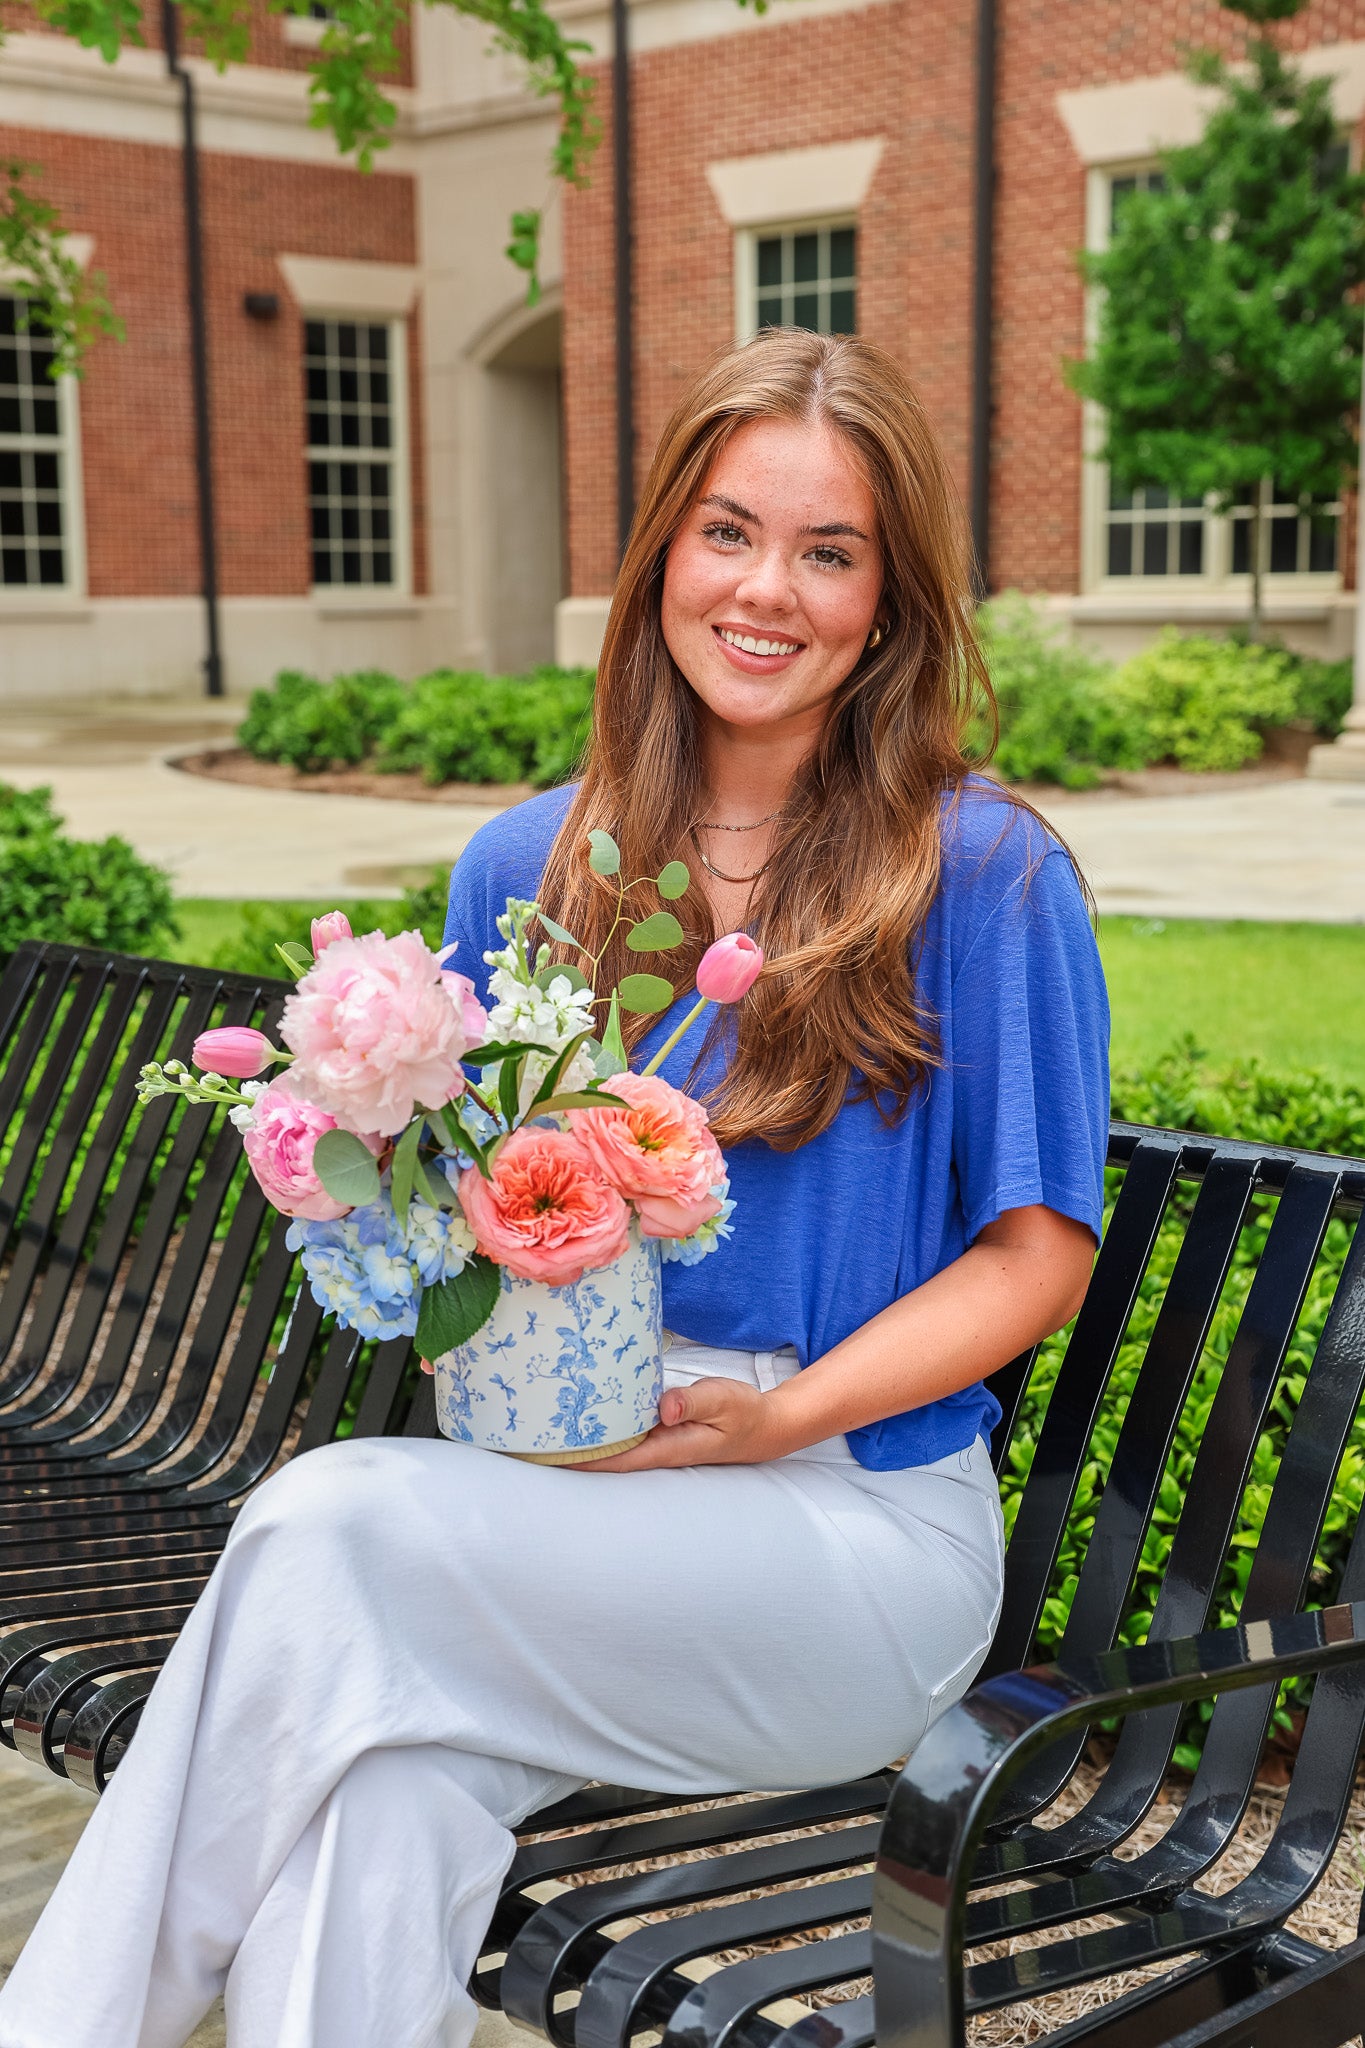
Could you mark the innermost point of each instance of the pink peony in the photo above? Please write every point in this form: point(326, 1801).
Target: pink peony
point(658, 1153)
point(279, 1146)
point(728, 969)
point(546, 1214)
point(375, 1033)
point(234, 1050)
point(335, 925)
point(472, 1013)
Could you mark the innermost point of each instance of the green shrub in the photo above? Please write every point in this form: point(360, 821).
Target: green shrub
point(1201, 702)
point(314, 725)
point(264, 926)
point(1058, 722)
point(1322, 693)
point(86, 892)
point(1242, 1100)
point(460, 726)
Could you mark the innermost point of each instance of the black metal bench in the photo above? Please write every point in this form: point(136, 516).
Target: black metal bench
point(158, 1358)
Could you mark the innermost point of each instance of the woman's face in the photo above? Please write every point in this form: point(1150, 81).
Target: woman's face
point(773, 582)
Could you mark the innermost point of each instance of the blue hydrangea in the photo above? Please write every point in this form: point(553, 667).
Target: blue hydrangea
point(688, 1251)
point(363, 1271)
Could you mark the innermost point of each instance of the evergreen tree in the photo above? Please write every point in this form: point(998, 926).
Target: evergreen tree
point(1228, 348)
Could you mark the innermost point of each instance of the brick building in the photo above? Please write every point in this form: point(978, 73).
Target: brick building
point(814, 163)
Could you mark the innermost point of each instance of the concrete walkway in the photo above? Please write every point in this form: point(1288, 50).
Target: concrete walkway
point(1289, 849)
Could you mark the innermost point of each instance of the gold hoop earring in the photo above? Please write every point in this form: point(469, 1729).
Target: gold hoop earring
point(874, 638)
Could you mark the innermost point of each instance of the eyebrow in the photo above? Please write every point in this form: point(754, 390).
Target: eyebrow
point(835, 528)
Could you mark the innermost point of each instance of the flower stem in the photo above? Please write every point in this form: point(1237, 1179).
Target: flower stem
point(666, 1048)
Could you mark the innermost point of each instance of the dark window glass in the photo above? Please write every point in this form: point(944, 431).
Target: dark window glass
point(351, 510)
point(806, 310)
point(1154, 539)
point(45, 473)
point(770, 260)
point(1192, 547)
point(770, 310)
point(50, 565)
point(805, 258)
point(841, 315)
point(1322, 544)
point(30, 474)
point(807, 278)
point(1241, 547)
point(841, 252)
point(1120, 551)
point(1284, 545)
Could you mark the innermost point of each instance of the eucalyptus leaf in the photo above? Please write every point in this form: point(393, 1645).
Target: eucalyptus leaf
point(605, 858)
point(577, 982)
point(403, 1169)
point(454, 1309)
point(557, 931)
point(673, 881)
point(604, 1063)
point(613, 1045)
point(346, 1168)
point(656, 934)
point(297, 959)
point(645, 994)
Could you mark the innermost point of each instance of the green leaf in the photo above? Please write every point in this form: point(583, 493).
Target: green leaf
point(509, 1089)
point(557, 931)
point(433, 1187)
point(645, 994)
point(577, 982)
point(581, 1098)
point(488, 1055)
point(656, 934)
point(346, 1168)
point(604, 1063)
point(673, 881)
point(605, 858)
point(297, 959)
point(613, 1045)
point(404, 1168)
point(557, 1066)
point(454, 1309)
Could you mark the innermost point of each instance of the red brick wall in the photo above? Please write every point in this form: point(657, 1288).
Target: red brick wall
point(266, 42)
point(135, 401)
point(903, 69)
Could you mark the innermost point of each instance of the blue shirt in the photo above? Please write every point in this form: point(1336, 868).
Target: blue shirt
point(827, 1236)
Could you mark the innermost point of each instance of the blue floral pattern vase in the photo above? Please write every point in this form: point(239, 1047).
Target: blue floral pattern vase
point(561, 1375)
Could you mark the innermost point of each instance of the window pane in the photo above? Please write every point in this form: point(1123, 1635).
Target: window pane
point(31, 521)
point(1120, 551)
point(822, 264)
point(1119, 499)
point(1192, 547)
point(805, 258)
point(1322, 543)
point(1155, 497)
point(1241, 547)
point(770, 260)
point(770, 310)
point(1284, 545)
point(806, 311)
point(841, 253)
point(841, 313)
point(1154, 539)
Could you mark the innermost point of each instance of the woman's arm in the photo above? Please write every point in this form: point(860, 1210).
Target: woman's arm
point(1023, 1277)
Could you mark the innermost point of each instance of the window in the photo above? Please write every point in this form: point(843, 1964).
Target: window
point(801, 277)
point(35, 457)
point(357, 458)
point(1147, 536)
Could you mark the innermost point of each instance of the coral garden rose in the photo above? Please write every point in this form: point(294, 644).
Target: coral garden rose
point(658, 1152)
point(546, 1214)
point(375, 1033)
point(279, 1145)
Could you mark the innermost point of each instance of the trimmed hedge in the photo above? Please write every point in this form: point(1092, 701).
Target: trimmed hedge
point(449, 726)
point(85, 891)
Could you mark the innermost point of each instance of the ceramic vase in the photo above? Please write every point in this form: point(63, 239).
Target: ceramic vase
point(561, 1375)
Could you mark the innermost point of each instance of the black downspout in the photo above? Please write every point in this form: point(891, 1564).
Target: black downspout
point(199, 349)
point(625, 354)
point(982, 295)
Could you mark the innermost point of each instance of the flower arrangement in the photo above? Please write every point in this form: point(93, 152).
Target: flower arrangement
point(427, 1149)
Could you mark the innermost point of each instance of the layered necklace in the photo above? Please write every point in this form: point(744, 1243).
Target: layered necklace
point(719, 873)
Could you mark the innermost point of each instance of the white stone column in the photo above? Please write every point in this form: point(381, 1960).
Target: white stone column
point(1343, 759)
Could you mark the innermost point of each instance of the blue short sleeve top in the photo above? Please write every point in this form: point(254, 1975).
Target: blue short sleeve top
point(1017, 1113)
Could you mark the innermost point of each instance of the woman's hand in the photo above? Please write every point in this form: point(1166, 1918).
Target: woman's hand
point(712, 1422)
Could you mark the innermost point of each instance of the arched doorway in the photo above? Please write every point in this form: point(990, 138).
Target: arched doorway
point(524, 443)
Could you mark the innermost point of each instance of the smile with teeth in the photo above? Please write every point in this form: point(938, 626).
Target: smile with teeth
point(750, 645)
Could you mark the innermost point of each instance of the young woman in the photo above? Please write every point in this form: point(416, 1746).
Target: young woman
point(409, 1646)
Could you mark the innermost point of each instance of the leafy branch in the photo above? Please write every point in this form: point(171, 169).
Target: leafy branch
point(60, 297)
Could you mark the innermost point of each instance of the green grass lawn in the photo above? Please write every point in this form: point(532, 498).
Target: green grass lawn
point(1293, 995)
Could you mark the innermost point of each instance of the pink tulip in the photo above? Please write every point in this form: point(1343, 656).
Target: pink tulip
point(234, 1050)
point(336, 925)
point(729, 969)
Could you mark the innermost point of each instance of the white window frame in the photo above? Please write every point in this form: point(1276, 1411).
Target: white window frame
point(399, 456)
point(1216, 577)
point(28, 597)
point(747, 240)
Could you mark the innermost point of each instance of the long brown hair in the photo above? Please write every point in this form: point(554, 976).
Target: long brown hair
point(856, 850)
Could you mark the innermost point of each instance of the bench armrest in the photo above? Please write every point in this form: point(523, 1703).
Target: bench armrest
point(943, 1800)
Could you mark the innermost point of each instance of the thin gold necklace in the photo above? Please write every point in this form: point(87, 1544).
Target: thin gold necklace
point(720, 874)
point(708, 826)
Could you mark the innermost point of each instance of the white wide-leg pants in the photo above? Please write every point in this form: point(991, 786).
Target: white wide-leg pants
point(408, 1646)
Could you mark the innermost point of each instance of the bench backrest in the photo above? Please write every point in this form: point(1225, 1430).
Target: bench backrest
point(1194, 1442)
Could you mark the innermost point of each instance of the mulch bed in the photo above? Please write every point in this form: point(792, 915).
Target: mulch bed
point(234, 764)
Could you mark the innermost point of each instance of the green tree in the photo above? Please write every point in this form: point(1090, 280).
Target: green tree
point(1228, 348)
